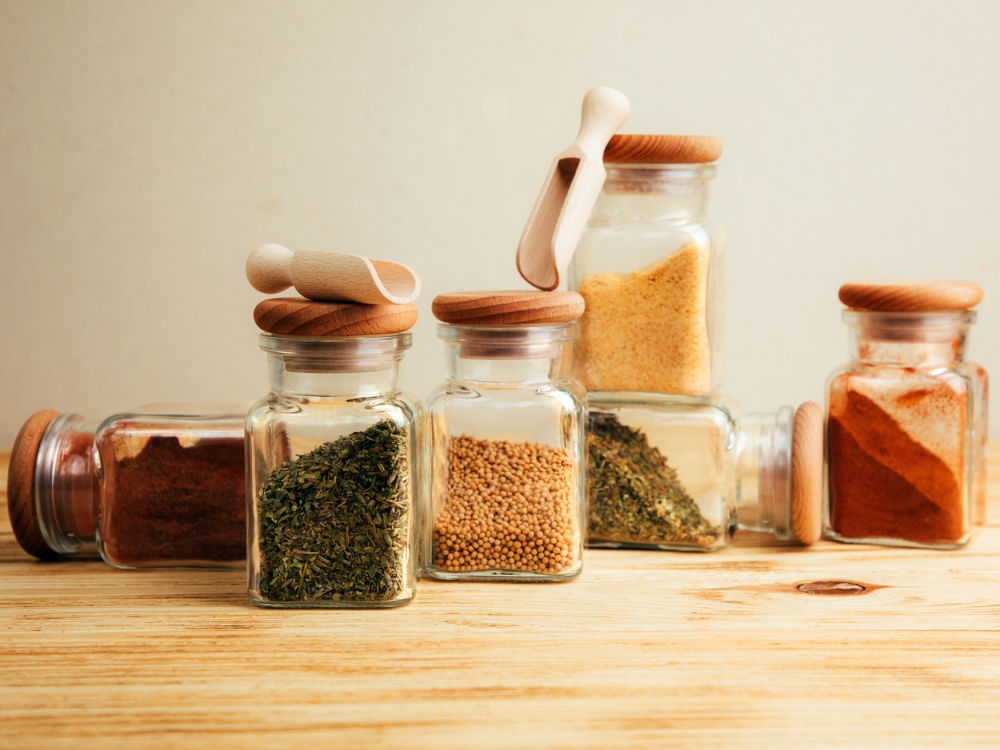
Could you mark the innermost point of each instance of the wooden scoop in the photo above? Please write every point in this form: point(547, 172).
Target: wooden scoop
point(332, 277)
point(569, 192)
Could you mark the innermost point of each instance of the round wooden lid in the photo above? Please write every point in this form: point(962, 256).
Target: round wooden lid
point(807, 472)
point(663, 149)
point(21, 485)
point(911, 295)
point(298, 316)
point(507, 308)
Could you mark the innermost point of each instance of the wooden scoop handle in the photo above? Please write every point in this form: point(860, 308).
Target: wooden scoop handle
point(569, 192)
point(604, 111)
point(328, 276)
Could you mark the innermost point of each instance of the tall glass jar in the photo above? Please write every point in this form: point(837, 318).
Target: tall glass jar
point(907, 419)
point(675, 474)
point(651, 262)
point(331, 475)
point(161, 486)
point(506, 442)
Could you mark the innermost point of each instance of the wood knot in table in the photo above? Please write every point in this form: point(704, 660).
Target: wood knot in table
point(835, 588)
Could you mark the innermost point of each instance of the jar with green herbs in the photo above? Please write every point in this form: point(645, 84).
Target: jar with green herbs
point(332, 475)
point(674, 474)
point(506, 441)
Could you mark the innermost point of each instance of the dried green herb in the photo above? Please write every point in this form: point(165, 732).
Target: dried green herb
point(334, 523)
point(635, 496)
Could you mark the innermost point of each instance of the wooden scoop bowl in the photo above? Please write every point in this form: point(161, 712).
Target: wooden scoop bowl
point(328, 276)
point(569, 192)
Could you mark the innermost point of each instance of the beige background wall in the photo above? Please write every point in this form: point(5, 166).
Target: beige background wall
point(147, 147)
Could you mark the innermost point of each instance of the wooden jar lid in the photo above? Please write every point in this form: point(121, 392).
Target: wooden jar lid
point(21, 485)
point(507, 308)
point(911, 295)
point(663, 149)
point(298, 316)
point(807, 472)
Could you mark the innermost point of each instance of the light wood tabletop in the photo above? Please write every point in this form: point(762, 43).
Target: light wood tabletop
point(645, 649)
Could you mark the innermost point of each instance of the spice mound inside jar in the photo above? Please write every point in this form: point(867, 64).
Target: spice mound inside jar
point(635, 496)
point(334, 522)
point(897, 457)
point(510, 506)
point(172, 498)
point(663, 310)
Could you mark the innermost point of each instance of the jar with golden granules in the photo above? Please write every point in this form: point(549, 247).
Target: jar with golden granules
point(506, 440)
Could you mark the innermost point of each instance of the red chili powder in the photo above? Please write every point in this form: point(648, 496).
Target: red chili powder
point(174, 503)
point(896, 459)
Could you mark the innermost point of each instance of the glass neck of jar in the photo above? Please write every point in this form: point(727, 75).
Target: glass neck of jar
point(655, 191)
point(764, 467)
point(67, 487)
point(302, 367)
point(508, 355)
point(908, 339)
point(295, 377)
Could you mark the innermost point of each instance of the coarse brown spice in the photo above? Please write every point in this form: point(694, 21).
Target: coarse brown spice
point(510, 506)
point(647, 330)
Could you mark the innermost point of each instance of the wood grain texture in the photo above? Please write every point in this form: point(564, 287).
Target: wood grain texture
point(807, 473)
point(507, 307)
point(911, 295)
point(756, 646)
point(21, 485)
point(296, 316)
point(662, 149)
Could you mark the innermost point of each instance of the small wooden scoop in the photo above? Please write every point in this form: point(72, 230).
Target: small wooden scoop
point(568, 195)
point(332, 277)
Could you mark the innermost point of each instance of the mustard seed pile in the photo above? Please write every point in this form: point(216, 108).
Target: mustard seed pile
point(509, 507)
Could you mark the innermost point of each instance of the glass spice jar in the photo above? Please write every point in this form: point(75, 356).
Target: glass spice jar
point(651, 262)
point(506, 441)
point(907, 418)
point(161, 486)
point(331, 475)
point(684, 474)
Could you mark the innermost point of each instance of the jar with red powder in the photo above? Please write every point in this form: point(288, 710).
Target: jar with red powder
point(162, 486)
point(906, 418)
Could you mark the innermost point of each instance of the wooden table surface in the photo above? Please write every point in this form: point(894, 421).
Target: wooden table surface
point(645, 649)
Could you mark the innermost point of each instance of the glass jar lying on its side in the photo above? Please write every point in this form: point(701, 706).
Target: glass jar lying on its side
point(331, 475)
point(506, 448)
point(907, 424)
point(683, 474)
point(161, 486)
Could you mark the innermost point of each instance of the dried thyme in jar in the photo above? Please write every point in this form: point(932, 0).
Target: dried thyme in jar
point(334, 523)
point(635, 496)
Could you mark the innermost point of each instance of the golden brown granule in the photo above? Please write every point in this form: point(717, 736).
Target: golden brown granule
point(647, 330)
point(510, 506)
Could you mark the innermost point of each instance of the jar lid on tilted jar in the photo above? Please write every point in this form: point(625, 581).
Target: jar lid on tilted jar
point(332, 458)
point(650, 267)
point(906, 418)
point(506, 440)
point(160, 486)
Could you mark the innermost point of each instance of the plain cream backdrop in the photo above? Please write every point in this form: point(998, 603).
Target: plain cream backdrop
point(147, 147)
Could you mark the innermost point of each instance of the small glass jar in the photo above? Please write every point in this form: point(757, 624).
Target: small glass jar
point(331, 475)
point(906, 430)
point(161, 486)
point(684, 474)
point(651, 262)
point(506, 442)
